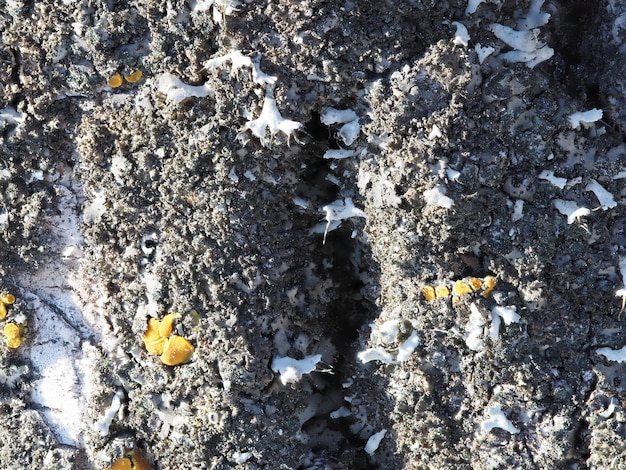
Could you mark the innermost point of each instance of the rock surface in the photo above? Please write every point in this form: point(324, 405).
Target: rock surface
point(203, 189)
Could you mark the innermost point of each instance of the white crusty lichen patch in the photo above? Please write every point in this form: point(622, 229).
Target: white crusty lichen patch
point(584, 118)
point(606, 199)
point(622, 292)
point(482, 324)
point(350, 129)
point(497, 419)
point(615, 355)
point(571, 209)
point(384, 336)
point(270, 118)
point(239, 61)
point(437, 197)
point(176, 91)
point(291, 370)
point(374, 441)
point(336, 212)
point(527, 48)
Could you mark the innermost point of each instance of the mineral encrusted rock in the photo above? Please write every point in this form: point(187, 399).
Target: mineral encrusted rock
point(200, 189)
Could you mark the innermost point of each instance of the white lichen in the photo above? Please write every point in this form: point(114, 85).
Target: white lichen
point(622, 292)
point(437, 197)
point(351, 127)
point(103, 424)
point(527, 47)
point(176, 91)
point(571, 209)
point(385, 335)
point(270, 118)
point(606, 199)
point(374, 441)
point(338, 154)
point(239, 61)
point(615, 355)
point(497, 419)
point(584, 118)
point(461, 36)
point(339, 210)
point(291, 370)
point(481, 324)
point(548, 175)
point(483, 52)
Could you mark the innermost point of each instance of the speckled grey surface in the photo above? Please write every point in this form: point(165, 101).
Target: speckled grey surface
point(117, 204)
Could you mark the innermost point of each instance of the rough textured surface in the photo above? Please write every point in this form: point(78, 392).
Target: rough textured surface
point(120, 204)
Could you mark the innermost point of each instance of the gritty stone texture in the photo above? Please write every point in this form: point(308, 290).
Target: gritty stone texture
point(118, 204)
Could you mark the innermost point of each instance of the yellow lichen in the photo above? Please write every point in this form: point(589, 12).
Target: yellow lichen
point(13, 333)
point(461, 288)
point(133, 460)
point(116, 81)
point(158, 339)
point(429, 293)
point(442, 291)
point(134, 77)
point(489, 285)
point(177, 350)
point(5, 300)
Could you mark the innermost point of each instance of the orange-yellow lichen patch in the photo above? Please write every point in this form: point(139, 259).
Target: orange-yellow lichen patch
point(475, 283)
point(429, 293)
point(116, 81)
point(158, 339)
point(13, 333)
point(133, 460)
point(134, 77)
point(177, 350)
point(442, 291)
point(489, 285)
point(5, 300)
point(460, 288)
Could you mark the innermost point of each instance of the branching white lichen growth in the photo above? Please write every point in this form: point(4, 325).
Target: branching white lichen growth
point(586, 118)
point(570, 209)
point(338, 211)
point(238, 61)
point(497, 419)
point(478, 324)
point(606, 199)
point(527, 47)
point(385, 335)
point(176, 91)
point(351, 127)
point(291, 370)
point(270, 118)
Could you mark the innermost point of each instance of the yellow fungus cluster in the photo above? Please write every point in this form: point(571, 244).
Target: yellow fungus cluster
point(133, 460)
point(159, 340)
point(12, 331)
point(117, 81)
point(460, 288)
